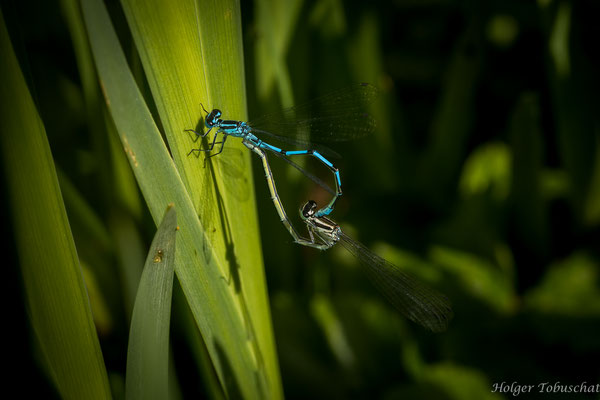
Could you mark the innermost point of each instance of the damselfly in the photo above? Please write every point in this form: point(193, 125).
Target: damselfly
point(337, 116)
point(416, 301)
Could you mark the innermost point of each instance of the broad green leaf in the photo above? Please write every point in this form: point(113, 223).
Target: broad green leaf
point(276, 22)
point(452, 122)
point(325, 315)
point(559, 41)
point(218, 259)
point(459, 382)
point(502, 30)
point(55, 294)
point(148, 350)
point(575, 122)
point(479, 278)
point(366, 60)
point(526, 140)
point(569, 288)
point(487, 169)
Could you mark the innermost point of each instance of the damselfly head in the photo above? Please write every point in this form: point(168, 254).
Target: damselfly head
point(212, 118)
point(308, 210)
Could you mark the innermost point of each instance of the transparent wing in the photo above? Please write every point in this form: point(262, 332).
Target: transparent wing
point(337, 116)
point(300, 143)
point(310, 176)
point(416, 301)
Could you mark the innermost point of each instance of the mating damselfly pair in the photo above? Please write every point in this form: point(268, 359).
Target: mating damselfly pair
point(338, 116)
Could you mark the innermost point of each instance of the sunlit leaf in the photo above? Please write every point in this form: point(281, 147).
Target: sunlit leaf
point(148, 350)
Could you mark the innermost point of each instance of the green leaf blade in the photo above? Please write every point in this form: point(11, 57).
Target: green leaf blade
point(55, 294)
point(148, 350)
point(242, 350)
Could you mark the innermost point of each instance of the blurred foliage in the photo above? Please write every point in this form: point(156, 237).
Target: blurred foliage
point(482, 179)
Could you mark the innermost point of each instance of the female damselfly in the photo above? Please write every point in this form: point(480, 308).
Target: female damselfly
point(416, 301)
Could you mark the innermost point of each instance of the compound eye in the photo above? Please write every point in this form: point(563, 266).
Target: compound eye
point(211, 119)
point(309, 209)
